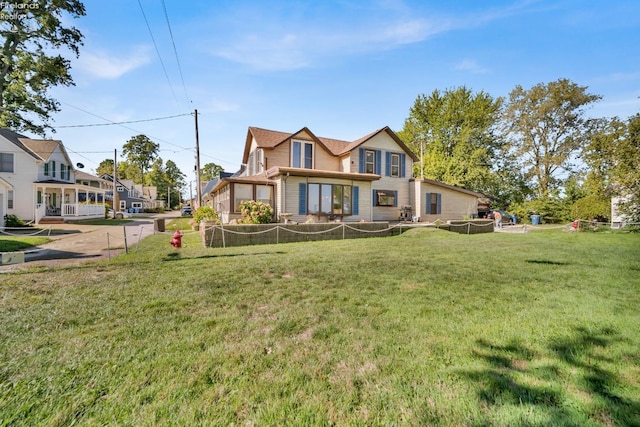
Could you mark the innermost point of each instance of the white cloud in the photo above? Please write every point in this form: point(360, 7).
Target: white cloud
point(105, 66)
point(471, 66)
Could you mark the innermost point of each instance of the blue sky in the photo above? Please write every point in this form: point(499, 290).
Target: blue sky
point(342, 68)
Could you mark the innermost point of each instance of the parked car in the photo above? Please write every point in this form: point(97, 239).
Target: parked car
point(186, 211)
point(119, 214)
point(507, 218)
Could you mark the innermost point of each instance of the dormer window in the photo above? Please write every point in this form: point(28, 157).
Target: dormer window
point(302, 154)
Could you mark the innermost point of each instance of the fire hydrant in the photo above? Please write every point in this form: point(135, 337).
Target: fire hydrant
point(176, 241)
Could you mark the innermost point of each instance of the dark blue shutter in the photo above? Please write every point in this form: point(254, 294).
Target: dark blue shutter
point(355, 202)
point(439, 203)
point(302, 204)
point(361, 167)
point(403, 164)
point(387, 163)
point(373, 198)
point(379, 162)
point(395, 199)
point(428, 204)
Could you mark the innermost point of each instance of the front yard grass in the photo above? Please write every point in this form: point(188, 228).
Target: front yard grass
point(19, 243)
point(426, 328)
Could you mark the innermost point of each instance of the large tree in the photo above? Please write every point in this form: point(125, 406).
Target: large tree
point(31, 33)
point(105, 166)
point(210, 171)
point(166, 178)
point(454, 134)
point(546, 128)
point(141, 151)
point(626, 173)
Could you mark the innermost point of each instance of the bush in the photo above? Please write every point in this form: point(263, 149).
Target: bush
point(256, 212)
point(205, 213)
point(14, 221)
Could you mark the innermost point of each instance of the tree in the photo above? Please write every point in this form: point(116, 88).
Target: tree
point(105, 166)
point(129, 170)
point(626, 173)
point(29, 67)
point(546, 128)
point(166, 178)
point(210, 171)
point(453, 133)
point(141, 151)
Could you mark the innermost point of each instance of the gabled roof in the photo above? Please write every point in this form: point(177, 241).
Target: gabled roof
point(15, 138)
point(88, 177)
point(388, 131)
point(270, 139)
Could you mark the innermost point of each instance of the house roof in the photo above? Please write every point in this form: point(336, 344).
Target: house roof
point(15, 138)
point(88, 177)
point(450, 187)
point(256, 179)
point(279, 170)
point(270, 139)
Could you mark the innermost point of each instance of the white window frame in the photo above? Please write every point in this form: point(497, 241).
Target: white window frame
point(13, 161)
point(301, 158)
point(396, 173)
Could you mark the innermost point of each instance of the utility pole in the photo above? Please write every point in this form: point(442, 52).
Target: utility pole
point(198, 187)
point(116, 198)
point(169, 198)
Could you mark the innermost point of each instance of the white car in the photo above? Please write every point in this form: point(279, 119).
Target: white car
point(119, 214)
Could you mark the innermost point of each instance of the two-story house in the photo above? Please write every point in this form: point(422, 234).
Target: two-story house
point(38, 182)
point(304, 176)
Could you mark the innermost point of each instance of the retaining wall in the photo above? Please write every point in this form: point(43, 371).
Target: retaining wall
point(261, 234)
point(474, 226)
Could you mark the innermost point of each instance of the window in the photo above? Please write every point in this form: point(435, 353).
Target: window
point(434, 203)
point(329, 199)
point(259, 161)
point(46, 169)
point(62, 170)
point(302, 155)
point(6, 162)
point(10, 199)
point(369, 161)
point(136, 205)
point(119, 189)
point(385, 198)
point(241, 193)
point(395, 165)
point(263, 194)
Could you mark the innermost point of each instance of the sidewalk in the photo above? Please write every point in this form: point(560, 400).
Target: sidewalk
point(78, 243)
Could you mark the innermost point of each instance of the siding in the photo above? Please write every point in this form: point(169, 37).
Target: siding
point(293, 196)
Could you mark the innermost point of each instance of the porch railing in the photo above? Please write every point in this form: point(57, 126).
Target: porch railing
point(82, 209)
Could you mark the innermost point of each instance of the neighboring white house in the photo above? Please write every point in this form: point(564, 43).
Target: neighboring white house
point(618, 219)
point(304, 177)
point(38, 182)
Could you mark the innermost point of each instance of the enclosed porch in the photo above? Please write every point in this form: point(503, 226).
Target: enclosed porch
point(68, 201)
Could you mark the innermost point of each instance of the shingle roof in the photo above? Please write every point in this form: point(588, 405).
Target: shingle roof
point(14, 138)
point(266, 138)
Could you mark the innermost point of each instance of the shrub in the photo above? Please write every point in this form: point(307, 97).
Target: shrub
point(205, 213)
point(14, 221)
point(255, 212)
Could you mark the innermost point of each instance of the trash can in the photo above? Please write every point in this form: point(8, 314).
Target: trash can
point(158, 225)
point(535, 219)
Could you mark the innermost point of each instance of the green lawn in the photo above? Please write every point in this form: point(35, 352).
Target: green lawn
point(19, 243)
point(427, 328)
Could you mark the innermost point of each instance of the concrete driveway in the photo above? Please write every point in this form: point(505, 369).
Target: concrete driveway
point(76, 243)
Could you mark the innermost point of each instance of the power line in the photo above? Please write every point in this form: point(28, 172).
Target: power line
point(129, 128)
point(157, 51)
point(122, 123)
point(175, 51)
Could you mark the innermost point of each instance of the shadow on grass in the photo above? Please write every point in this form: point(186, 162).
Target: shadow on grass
point(545, 261)
point(577, 368)
point(177, 256)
